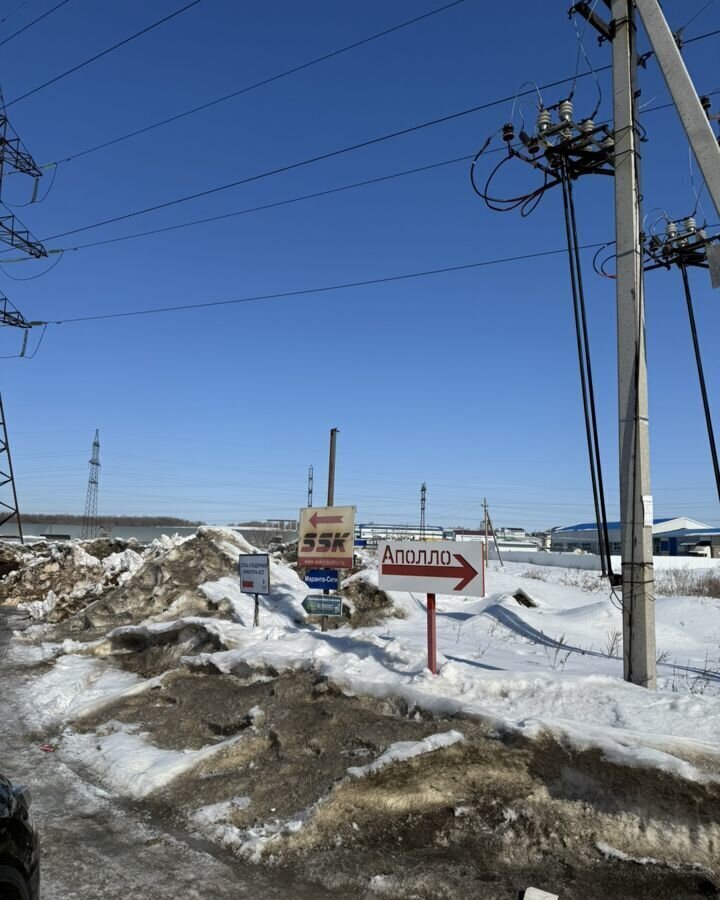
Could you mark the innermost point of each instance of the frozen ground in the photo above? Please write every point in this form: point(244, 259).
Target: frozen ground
point(96, 847)
point(335, 751)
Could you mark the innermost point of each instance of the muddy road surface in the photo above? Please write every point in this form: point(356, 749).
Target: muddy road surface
point(96, 847)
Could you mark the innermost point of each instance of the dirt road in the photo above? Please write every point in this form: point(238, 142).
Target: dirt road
point(95, 847)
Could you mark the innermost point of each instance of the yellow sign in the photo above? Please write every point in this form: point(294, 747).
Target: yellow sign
point(326, 537)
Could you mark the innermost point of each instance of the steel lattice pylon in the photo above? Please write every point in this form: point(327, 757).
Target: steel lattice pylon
point(90, 519)
point(8, 511)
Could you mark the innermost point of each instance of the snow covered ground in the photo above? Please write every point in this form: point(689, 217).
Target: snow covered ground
point(551, 668)
point(539, 657)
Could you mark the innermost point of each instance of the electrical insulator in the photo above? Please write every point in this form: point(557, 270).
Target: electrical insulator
point(671, 230)
point(565, 110)
point(607, 143)
point(566, 134)
point(706, 105)
point(690, 225)
point(508, 132)
point(702, 235)
point(544, 120)
point(587, 126)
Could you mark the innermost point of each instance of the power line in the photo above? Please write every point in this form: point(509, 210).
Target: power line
point(289, 201)
point(278, 76)
point(324, 156)
point(313, 159)
point(34, 22)
point(105, 52)
point(317, 290)
point(14, 10)
point(258, 84)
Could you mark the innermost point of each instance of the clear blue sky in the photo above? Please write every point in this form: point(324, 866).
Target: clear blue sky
point(467, 381)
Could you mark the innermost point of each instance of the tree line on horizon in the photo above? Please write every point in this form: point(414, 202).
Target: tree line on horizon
point(105, 521)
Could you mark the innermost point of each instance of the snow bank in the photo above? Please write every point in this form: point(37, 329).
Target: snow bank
point(77, 686)
point(124, 759)
point(403, 750)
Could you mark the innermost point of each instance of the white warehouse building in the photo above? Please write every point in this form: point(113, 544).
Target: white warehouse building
point(585, 535)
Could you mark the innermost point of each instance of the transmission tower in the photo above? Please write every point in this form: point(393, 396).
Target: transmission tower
point(310, 486)
point(8, 511)
point(423, 497)
point(90, 519)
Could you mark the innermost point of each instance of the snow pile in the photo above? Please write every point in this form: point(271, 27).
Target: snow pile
point(122, 757)
point(171, 582)
point(66, 570)
point(122, 566)
point(403, 750)
point(79, 685)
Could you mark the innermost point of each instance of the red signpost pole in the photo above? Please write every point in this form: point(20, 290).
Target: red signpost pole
point(484, 565)
point(432, 645)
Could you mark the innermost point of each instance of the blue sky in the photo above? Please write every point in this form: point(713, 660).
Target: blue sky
point(467, 381)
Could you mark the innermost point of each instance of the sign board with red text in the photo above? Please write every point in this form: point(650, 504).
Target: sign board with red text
point(431, 567)
point(326, 537)
point(254, 571)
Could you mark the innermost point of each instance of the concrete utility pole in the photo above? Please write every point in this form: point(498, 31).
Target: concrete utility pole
point(635, 497)
point(690, 109)
point(331, 468)
point(310, 486)
point(330, 497)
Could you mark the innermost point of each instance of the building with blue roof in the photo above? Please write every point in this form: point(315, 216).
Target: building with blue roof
point(672, 536)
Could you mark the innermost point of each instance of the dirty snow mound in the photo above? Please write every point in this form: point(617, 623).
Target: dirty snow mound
point(167, 583)
point(67, 570)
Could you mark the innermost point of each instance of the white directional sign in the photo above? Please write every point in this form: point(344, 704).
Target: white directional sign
point(254, 569)
point(436, 567)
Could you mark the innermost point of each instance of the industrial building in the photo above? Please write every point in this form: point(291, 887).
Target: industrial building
point(676, 536)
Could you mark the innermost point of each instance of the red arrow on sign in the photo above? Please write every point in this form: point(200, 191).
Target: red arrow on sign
point(315, 520)
point(465, 572)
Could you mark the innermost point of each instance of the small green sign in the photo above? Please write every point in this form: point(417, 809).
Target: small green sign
point(323, 605)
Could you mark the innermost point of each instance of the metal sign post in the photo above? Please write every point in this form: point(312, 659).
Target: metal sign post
point(484, 566)
point(433, 567)
point(431, 636)
point(254, 571)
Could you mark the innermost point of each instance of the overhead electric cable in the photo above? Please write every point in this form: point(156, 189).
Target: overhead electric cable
point(318, 290)
point(34, 22)
point(13, 11)
point(103, 53)
point(210, 103)
point(305, 162)
point(286, 202)
point(319, 158)
point(261, 83)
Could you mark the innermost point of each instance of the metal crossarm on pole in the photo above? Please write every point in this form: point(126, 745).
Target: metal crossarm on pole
point(692, 115)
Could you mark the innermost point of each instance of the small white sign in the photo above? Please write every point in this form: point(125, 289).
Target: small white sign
point(647, 510)
point(431, 567)
point(536, 894)
point(254, 569)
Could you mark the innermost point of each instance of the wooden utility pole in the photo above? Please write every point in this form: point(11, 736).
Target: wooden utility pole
point(635, 497)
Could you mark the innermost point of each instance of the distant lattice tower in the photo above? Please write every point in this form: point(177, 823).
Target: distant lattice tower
point(90, 519)
point(423, 500)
